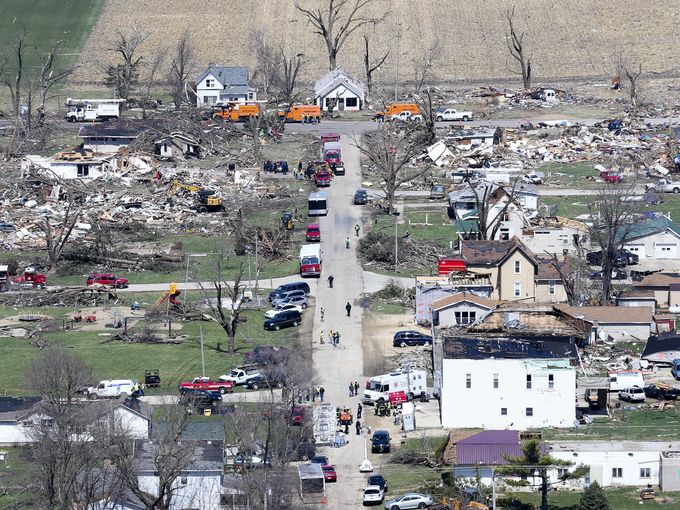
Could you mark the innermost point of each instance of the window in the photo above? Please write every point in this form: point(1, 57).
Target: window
point(645, 472)
point(504, 411)
point(562, 473)
point(250, 95)
point(551, 287)
point(465, 317)
point(469, 206)
point(529, 381)
point(495, 381)
point(351, 101)
point(518, 266)
point(209, 83)
point(468, 380)
point(83, 170)
point(530, 411)
point(617, 472)
point(185, 480)
point(518, 289)
point(505, 234)
point(551, 381)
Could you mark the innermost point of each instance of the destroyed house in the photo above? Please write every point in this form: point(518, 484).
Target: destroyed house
point(177, 145)
point(432, 288)
point(68, 165)
point(521, 383)
point(554, 234)
point(662, 348)
point(489, 136)
point(224, 84)
point(110, 137)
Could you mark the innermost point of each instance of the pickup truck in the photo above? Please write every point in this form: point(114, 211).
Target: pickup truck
point(611, 176)
point(107, 280)
point(665, 186)
point(453, 114)
point(204, 383)
point(407, 117)
point(240, 376)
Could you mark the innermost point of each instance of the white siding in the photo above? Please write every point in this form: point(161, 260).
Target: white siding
point(341, 92)
point(551, 407)
point(603, 464)
point(447, 316)
point(623, 332)
point(191, 491)
point(12, 433)
point(132, 423)
point(659, 246)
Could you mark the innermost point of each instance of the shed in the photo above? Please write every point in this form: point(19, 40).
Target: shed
point(341, 85)
point(662, 348)
point(637, 297)
point(312, 483)
point(487, 448)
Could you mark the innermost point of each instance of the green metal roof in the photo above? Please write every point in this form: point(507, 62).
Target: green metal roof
point(651, 226)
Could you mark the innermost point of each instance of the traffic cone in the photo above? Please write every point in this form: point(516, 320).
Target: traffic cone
point(323, 499)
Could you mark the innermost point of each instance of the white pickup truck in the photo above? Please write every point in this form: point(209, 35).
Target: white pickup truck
point(240, 376)
point(452, 114)
point(407, 116)
point(665, 186)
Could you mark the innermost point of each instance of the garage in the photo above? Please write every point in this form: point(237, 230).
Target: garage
point(665, 250)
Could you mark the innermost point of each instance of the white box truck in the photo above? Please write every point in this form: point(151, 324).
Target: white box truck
point(622, 380)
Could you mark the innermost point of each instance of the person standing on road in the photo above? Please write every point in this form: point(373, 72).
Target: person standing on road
point(356, 388)
point(321, 341)
point(348, 307)
point(331, 337)
point(322, 390)
point(359, 409)
point(351, 389)
point(347, 243)
point(330, 281)
point(322, 313)
point(358, 428)
point(356, 229)
point(336, 338)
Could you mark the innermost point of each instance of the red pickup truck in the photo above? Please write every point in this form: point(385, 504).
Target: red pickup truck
point(610, 176)
point(204, 383)
point(110, 280)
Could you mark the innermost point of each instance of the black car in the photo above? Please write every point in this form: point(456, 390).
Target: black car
point(378, 480)
point(661, 393)
point(361, 197)
point(265, 381)
point(380, 442)
point(283, 320)
point(287, 287)
point(200, 396)
point(404, 338)
point(621, 258)
point(617, 274)
point(320, 459)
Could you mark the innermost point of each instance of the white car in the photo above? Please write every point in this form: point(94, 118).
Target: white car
point(410, 500)
point(270, 314)
point(532, 179)
point(373, 494)
point(634, 394)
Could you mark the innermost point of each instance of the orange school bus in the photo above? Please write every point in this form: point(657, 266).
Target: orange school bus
point(300, 112)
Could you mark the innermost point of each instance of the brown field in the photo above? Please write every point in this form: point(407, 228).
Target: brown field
point(569, 39)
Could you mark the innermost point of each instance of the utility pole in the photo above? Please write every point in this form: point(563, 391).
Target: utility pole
point(396, 78)
point(202, 355)
point(396, 241)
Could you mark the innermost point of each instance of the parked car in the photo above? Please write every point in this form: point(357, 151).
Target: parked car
point(286, 287)
point(360, 197)
point(620, 258)
point(404, 338)
point(287, 294)
point(320, 459)
point(634, 394)
point(380, 442)
point(265, 381)
point(617, 274)
point(283, 320)
point(611, 176)
point(269, 314)
point(378, 480)
point(437, 191)
point(661, 392)
point(206, 397)
point(329, 473)
point(373, 494)
point(451, 114)
point(110, 280)
point(313, 234)
point(409, 500)
point(675, 368)
point(300, 301)
point(532, 179)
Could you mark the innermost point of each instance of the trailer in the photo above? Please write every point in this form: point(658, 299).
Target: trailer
point(325, 425)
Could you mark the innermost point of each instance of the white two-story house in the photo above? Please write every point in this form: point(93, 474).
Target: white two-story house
point(218, 84)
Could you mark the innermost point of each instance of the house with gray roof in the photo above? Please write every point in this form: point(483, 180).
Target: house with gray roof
point(219, 84)
point(656, 238)
point(341, 85)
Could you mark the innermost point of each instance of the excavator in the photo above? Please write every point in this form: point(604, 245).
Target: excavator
point(206, 200)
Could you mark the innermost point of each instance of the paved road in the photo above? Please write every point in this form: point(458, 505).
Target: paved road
point(238, 396)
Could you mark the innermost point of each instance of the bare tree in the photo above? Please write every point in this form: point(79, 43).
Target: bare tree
point(425, 62)
point(489, 214)
point(371, 66)
point(49, 75)
point(612, 218)
point(518, 51)
point(429, 116)
point(267, 57)
point(166, 455)
point(632, 79)
point(57, 375)
point(389, 150)
point(290, 69)
point(182, 66)
point(14, 74)
point(124, 75)
point(57, 240)
point(152, 68)
point(226, 304)
point(335, 25)
point(568, 277)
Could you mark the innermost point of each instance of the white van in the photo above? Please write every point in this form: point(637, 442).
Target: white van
point(111, 388)
point(625, 379)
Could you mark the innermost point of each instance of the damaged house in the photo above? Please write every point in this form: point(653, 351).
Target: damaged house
point(432, 288)
point(177, 145)
point(110, 137)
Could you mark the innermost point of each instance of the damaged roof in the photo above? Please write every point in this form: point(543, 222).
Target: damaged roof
point(122, 128)
point(667, 341)
point(493, 252)
point(463, 297)
point(536, 347)
point(658, 280)
point(15, 408)
point(609, 314)
point(651, 226)
point(547, 271)
point(206, 455)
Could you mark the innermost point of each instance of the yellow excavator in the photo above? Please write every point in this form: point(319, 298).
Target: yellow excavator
point(457, 504)
point(207, 200)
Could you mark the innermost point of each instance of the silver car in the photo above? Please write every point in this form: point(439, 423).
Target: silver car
point(292, 300)
point(409, 500)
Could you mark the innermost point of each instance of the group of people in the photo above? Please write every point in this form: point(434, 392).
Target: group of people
point(313, 393)
point(353, 389)
point(275, 166)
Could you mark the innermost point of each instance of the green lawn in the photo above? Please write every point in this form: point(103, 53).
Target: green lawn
point(626, 498)
point(114, 360)
point(387, 308)
point(47, 21)
point(569, 206)
point(570, 175)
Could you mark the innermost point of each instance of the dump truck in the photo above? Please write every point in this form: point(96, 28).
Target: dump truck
point(395, 109)
point(302, 113)
point(237, 112)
